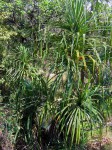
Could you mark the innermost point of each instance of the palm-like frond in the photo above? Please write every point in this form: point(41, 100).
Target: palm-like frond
point(78, 111)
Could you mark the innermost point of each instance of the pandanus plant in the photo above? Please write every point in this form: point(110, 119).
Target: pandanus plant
point(81, 48)
point(77, 113)
point(28, 94)
point(79, 54)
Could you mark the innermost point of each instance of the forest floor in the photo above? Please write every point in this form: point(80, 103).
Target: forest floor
point(103, 141)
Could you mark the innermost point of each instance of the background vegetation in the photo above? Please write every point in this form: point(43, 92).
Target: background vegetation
point(55, 71)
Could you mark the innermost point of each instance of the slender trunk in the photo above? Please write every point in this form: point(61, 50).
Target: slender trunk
point(82, 75)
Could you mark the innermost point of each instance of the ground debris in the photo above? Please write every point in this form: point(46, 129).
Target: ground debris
point(4, 142)
point(104, 144)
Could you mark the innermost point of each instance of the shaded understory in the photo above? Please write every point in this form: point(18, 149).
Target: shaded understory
point(100, 139)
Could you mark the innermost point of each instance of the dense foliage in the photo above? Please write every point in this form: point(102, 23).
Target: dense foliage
point(55, 69)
